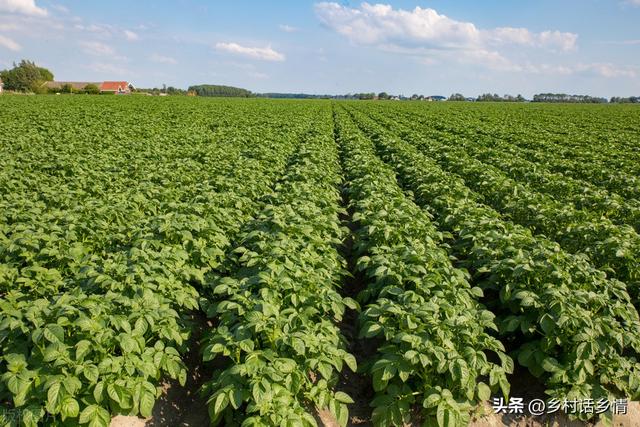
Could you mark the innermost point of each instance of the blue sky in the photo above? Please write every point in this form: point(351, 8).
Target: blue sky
point(401, 47)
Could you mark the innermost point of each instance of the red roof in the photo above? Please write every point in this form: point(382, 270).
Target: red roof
point(114, 86)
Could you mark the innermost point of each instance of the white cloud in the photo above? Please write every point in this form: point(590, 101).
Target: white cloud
point(607, 70)
point(60, 8)
point(97, 49)
point(130, 35)
point(382, 25)
point(103, 30)
point(288, 28)
point(633, 2)
point(260, 53)
point(553, 40)
point(557, 39)
point(7, 43)
point(26, 7)
point(162, 59)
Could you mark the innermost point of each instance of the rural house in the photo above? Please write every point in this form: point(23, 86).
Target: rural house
point(118, 88)
point(122, 88)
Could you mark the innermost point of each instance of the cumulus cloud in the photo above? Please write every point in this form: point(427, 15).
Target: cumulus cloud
point(553, 40)
point(130, 35)
point(288, 28)
point(260, 53)
point(7, 43)
point(25, 7)
point(161, 59)
point(382, 25)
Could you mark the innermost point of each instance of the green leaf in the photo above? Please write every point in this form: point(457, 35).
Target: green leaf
point(120, 395)
point(350, 361)
point(550, 365)
point(82, 348)
point(221, 403)
point(98, 391)
point(95, 416)
point(54, 393)
point(146, 403)
point(432, 398)
point(69, 408)
point(484, 392)
point(237, 397)
point(91, 372)
point(371, 330)
point(343, 397)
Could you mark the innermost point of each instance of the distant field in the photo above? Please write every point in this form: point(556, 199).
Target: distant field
point(365, 262)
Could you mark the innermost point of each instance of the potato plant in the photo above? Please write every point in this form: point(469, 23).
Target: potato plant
point(435, 335)
point(578, 329)
point(278, 306)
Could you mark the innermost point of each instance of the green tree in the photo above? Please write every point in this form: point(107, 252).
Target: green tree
point(92, 89)
point(219, 90)
point(457, 97)
point(25, 76)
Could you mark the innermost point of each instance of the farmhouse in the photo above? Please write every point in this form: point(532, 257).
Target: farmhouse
point(123, 88)
point(1, 85)
point(118, 88)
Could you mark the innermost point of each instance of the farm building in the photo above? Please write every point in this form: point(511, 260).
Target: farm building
point(119, 88)
point(1, 85)
point(123, 88)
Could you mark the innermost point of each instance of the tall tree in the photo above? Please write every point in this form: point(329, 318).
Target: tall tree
point(25, 76)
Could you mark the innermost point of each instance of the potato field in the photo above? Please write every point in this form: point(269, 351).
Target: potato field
point(375, 263)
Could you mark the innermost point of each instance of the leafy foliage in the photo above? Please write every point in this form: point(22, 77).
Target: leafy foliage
point(25, 76)
point(120, 217)
point(278, 307)
point(435, 334)
point(578, 329)
point(103, 249)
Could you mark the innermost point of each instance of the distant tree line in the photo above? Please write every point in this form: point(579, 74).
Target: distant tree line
point(280, 95)
point(629, 100)
point(563, 97)
point(164, 90)
point(487, 97)
point(219, 90)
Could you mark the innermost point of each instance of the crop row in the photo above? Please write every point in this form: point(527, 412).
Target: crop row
point(594, 152)
point(278, 306)
point(601, 137)
point(94, 292)
point(436, 344)
point(612, 248)
point(506, 157)
point(574, 328)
